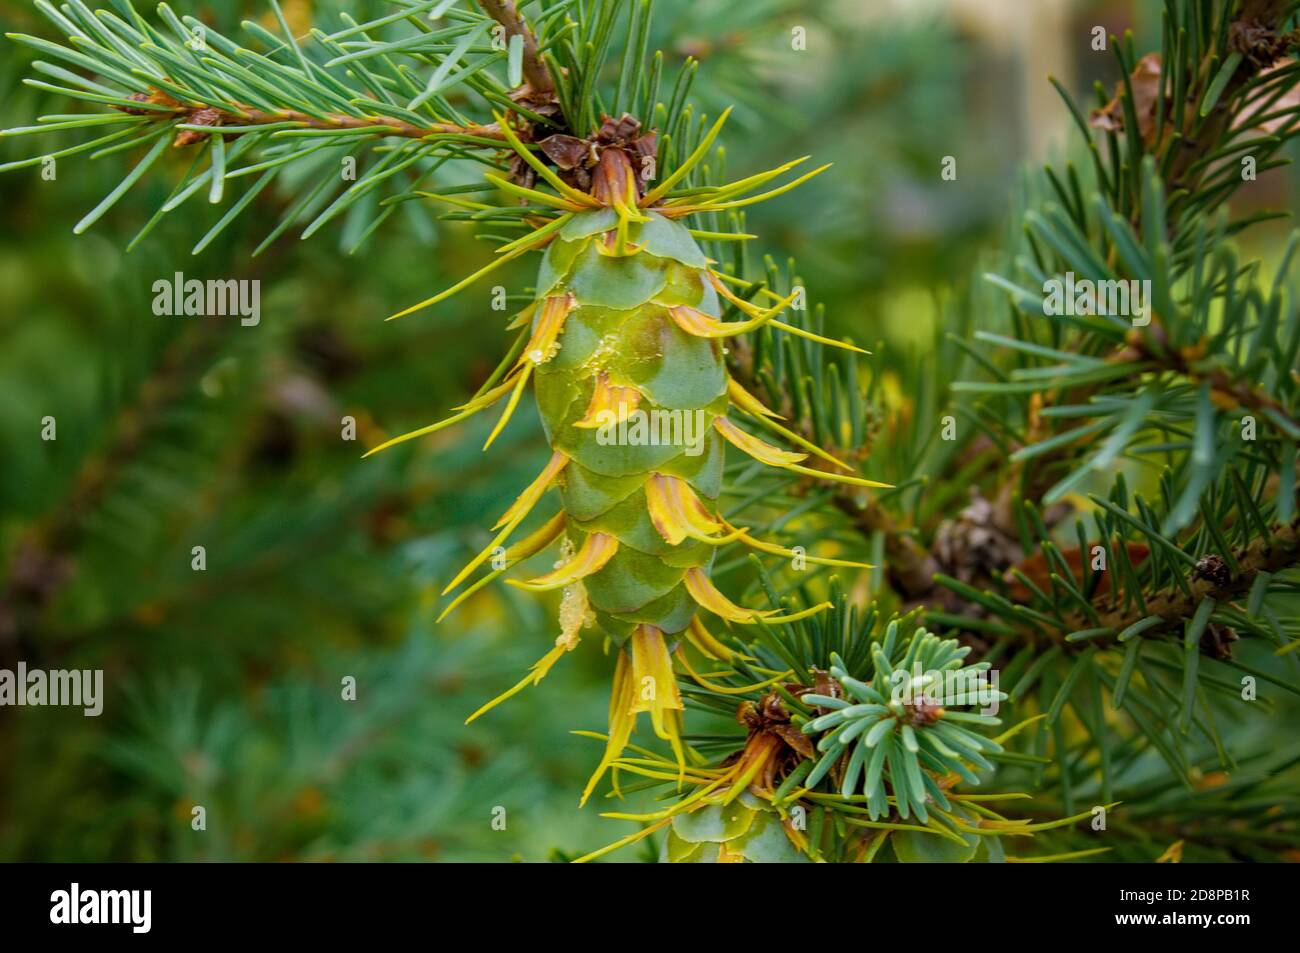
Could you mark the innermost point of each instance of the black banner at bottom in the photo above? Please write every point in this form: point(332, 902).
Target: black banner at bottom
point(137, 903)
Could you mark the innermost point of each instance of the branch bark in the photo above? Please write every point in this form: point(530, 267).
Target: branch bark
point(240, 115)
point(536, 74)
point(1279, 551)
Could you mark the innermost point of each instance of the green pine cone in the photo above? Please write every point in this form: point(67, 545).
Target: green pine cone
point(651, 390)
point(625, 353)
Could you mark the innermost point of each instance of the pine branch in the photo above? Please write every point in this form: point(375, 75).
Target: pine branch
point(911, 569)
point(242, 116)
point(1182, 112)
point(1094, 364)
point(1150, 350)
point(1274, 553)
point(534, 68)
point(1255, 42)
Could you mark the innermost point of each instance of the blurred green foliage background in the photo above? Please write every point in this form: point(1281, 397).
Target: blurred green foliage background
point(223, 686)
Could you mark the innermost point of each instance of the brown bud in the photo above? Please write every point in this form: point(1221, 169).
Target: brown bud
point(199, 117)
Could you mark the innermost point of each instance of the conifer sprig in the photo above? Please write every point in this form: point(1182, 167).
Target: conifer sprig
point(1171, 428)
